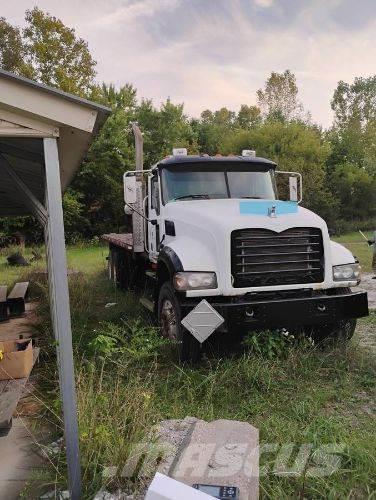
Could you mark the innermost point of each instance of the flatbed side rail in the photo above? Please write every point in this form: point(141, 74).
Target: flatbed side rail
point(124, 240)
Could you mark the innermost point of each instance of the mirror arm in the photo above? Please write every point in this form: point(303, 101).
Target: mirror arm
point(153, 222)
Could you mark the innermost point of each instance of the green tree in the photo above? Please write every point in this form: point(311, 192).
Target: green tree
point(99, 181)
point(354, 130)
point(355, 102)
point(13, 51)
point(75, 222)
point(356, 190)
point(279, 98)
point(212, 129)
point(122, 98)
point(248, 117)
point(58, 57)
point(164, 129)
point(49, 52)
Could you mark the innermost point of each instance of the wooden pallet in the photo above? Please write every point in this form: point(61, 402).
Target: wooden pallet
point(10, 393)
point(16, 298)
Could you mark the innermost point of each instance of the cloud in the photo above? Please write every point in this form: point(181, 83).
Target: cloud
point(139, 9)
point(265, 4)
point(215, 53)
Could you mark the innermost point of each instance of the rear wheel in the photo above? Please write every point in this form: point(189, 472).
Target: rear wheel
point(338, 332)
point(169, 319)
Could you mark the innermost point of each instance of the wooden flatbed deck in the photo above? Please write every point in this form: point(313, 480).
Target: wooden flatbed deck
point(124, 240)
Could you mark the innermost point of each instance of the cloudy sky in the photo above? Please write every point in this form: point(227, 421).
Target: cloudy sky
point(214, 53)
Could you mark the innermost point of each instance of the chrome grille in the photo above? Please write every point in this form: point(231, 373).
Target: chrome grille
point(261, 257)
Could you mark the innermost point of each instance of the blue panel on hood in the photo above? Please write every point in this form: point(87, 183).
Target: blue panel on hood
point(261, 207)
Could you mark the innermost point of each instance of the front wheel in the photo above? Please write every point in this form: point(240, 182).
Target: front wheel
point(169, 319)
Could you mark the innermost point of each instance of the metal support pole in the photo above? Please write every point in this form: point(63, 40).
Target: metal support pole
point(60, 310)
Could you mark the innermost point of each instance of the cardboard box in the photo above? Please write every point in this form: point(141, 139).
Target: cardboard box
point(16, 359)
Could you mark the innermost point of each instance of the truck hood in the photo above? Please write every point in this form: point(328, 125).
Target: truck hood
point(203, 229)
point(229, 214)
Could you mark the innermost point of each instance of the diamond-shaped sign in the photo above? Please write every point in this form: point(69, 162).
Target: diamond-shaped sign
point(202, 321)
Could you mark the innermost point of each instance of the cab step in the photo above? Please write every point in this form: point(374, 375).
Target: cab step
point(147, 303)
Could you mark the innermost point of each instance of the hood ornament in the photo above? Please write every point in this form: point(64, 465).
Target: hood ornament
point(272, 211)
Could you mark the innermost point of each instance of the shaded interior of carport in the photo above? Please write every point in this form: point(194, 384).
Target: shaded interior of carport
point(44, 136)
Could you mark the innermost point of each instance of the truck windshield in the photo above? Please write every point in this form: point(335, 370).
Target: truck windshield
point(184, 183)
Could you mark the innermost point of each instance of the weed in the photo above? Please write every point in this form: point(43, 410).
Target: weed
point(134, 338)
point(274, 343)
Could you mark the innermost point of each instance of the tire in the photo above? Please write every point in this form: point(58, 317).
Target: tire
point(169, 319)
point(340, 332)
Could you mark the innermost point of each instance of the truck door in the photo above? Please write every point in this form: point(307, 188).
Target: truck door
point(154, 231)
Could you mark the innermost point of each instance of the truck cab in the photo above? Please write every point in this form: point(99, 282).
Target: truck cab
point(220, 251)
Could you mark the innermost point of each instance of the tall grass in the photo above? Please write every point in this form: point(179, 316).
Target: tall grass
point(310, 396)
point(127, 382)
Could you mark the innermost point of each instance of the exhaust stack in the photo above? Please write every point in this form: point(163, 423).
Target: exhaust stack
point(138, 223)
point(139, 144)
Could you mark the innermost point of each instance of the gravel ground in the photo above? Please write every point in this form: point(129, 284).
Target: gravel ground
point(369, 285)
point(366, 331)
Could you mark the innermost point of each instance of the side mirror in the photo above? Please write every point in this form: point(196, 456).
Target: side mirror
point(130, 187)
point(293, 185)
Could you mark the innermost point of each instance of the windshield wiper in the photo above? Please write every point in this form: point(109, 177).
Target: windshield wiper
point(251, 197)
point(193, 196)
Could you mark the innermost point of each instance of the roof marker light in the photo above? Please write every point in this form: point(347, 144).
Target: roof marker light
point(249, 152)
point(179, 152)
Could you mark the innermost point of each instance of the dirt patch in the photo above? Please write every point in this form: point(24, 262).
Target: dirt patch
point(361, 404)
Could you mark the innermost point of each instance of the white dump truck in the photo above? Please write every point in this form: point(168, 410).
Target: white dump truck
point(213, 250)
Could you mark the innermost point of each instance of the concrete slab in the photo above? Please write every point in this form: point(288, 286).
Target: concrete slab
point(18, 460)
point(172, 434)
point(222, 452)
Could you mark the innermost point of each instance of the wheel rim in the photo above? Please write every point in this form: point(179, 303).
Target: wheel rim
point(169, 323)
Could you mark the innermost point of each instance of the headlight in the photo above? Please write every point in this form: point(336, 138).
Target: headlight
point(194, 281)
point(346, 272)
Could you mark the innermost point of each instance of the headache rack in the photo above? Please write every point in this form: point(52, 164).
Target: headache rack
point(261, 257)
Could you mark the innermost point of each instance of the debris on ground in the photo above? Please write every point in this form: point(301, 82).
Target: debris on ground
point(118, 495)
point(172, 434)
point(56, 495)
point(17, 259)
point(55, 447)
point(37, 255)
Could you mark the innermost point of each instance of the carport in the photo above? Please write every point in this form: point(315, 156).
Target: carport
point(44, 136)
